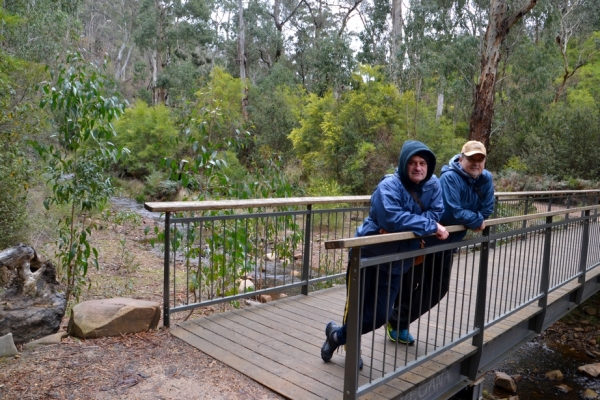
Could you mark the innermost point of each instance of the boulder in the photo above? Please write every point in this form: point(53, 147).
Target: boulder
point(246, 285)
point(589, 394)
point(113, 317)
point(592, 370)
point(563, 388)
point(505, 382)
point(554, 375)
point(30, 319)
point(7, 346)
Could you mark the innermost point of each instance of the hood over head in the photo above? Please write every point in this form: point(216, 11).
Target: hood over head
point(414, 148)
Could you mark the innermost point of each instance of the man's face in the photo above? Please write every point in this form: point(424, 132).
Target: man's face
point(473, 165)
point(416, 168)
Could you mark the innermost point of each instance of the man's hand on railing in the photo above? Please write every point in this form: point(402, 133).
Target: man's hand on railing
point(441, 233)
point(482, 227)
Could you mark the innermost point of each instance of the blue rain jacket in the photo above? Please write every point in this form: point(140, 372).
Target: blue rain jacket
point(467, 201)
point(394, 209)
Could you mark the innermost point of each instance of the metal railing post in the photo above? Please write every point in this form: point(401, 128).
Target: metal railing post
point(544, 279)
point(166, 317)
point(524, 224)
point(307, 255)
point(353, 325)
point(471, 366)
point(495, 213)
point(585, 241)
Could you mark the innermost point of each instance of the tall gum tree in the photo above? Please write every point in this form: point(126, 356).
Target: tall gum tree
point(500, 22)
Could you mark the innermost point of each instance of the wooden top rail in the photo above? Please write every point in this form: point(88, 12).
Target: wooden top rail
point(393, 237)
point(180, 206)
point(544, 193)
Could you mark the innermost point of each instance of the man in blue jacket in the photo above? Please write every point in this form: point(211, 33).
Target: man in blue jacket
point(410, 200)
point(468, 193)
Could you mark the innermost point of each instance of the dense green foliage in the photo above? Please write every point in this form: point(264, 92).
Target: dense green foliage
point(149, 133)
point(330, 95)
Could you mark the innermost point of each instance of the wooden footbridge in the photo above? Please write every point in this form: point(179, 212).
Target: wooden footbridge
point(507, 286)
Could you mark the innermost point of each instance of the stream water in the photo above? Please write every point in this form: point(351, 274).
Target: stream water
point(533, 360)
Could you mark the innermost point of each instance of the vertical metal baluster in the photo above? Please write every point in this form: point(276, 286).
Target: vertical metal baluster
point(166, 271)
point(306, 257)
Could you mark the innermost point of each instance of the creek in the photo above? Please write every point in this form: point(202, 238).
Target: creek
point(532, 361)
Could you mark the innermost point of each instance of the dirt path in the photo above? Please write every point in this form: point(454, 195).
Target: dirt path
point(153, 365)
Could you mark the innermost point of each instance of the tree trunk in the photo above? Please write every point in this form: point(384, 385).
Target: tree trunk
point(497, 30)
point(440, 106)
point(242, 60)
point(396, 27)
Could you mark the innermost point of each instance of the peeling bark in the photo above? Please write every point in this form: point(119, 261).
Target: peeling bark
point(497, 30)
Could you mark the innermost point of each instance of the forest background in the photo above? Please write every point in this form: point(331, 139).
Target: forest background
point(207, 99)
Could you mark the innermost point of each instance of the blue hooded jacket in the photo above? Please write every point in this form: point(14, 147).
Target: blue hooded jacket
point(395, 210)
point(467, 201)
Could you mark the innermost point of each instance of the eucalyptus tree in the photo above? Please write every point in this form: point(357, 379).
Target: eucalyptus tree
point(172, 33)
point(82, 113)
point(374, 37)
point(108, 28)
point(44, 30)
point(576, 40)
point(321, 50)
point(437, 58)
point(500, 21)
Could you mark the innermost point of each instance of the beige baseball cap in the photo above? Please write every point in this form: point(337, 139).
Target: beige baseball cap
point(473, 147)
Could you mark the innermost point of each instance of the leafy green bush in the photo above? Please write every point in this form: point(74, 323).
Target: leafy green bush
point(82, 114)
point(149, 134)
point(514, 163)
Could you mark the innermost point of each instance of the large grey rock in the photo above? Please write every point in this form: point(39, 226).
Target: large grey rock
point(7, 346)
point(34, 314)
point(505, 382)
point(112, 317)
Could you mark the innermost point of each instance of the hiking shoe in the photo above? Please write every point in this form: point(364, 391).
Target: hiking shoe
point(330, 344)
point(401, 336)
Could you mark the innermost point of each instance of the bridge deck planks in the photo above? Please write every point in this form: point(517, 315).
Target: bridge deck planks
point(278, 344)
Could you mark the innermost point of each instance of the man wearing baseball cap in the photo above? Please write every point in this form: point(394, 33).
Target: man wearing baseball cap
point(468, 195)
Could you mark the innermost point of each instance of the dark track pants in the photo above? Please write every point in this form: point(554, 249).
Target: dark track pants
point(422, 287)
point(376, 311)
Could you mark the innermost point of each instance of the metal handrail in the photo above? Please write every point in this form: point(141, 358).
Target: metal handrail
point(347, 243)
